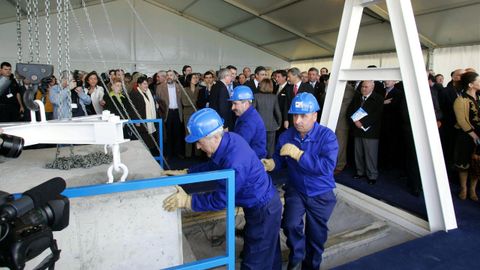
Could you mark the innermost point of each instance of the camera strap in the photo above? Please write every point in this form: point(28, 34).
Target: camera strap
point(49, 261)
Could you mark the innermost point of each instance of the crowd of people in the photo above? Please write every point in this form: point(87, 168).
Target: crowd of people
point(243, 120)
point(369, 143)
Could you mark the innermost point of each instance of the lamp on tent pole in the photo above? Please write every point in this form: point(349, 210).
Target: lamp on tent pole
point(19, 32)
point(48, 32)
point(29, 29)
point(35, 30)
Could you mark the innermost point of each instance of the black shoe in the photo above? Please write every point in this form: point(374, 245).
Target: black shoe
point(358, 176)
point(297, 266)
point(372, 181)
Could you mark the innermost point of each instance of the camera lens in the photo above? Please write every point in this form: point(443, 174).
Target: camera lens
point(10, 146)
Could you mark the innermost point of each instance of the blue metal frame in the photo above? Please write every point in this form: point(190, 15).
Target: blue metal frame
point(160, 134)
point(229, 175)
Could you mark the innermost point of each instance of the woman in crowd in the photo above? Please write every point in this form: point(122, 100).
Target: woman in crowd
point(266, 103)
point(467, 113)
point(116, 102)
point(146, 107)
point(66, 105)
point(95, 92)
point(189, 99)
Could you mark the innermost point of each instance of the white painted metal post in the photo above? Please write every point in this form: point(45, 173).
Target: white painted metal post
point(441, 215)
point(347, 38)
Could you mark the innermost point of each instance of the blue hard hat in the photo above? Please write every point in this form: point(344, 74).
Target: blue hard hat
point(241, 92)
point(202, 123)
point(304, 103)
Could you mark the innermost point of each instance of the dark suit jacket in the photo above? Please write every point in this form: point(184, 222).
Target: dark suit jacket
point(251, 84)
point(304, 87)
point(218, 100)
point(374, 107)
point(319, 93)
point(282, 99)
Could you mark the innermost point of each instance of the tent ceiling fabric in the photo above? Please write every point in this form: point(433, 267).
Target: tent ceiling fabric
point(308, 29)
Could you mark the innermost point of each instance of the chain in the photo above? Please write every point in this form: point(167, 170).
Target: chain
point(80, 161)
point(48, 32)
point(67, 34)
point(59, 35)
point(29, 28)
point(109, 23)
point(19, 32)
point(35, 29)
point(93, 33)
point(80, 32)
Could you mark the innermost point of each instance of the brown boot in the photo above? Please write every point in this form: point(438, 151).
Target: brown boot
point(472, 190)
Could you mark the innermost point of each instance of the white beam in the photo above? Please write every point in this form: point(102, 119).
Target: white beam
point(438, 200)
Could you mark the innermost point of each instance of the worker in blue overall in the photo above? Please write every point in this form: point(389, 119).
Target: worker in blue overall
point(309, 150)
point(249, 123)
point(254, 190)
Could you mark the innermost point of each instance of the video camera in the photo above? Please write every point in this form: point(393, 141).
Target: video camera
point(27, 223)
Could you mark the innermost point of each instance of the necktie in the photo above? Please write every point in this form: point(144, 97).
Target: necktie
point(230, 89)
point(363, 100)
point(295, 89)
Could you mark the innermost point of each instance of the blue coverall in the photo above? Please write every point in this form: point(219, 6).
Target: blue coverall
point(251, 127)
point(309, 190)
point(254, 192)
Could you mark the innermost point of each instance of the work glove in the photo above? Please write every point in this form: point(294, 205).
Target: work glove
point(268, 164)
point(179, 199)
point(175, 172)
point(292, 151)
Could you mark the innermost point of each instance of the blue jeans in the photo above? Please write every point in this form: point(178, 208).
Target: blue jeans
point(306, 247)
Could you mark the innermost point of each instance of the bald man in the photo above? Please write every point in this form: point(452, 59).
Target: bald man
point(366, 131)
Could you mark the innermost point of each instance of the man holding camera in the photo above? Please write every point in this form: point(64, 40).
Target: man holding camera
point(10, 100)
point(309, 150)
point(254, 190)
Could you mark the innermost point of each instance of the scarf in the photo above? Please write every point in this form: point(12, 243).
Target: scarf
point(150, 110)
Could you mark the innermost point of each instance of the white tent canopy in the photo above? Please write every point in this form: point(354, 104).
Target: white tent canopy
point(211, 33)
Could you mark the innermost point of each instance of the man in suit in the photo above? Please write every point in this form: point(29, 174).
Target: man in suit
point(295, 79)
point(170, 109)
point(366, 131)
point(318, 88)
point(260, 74)
point(247, 72)
point(185, 71)
point(391, 130)
point(447, 130)
point(204, 93)
point(343, 128)
point(233, 83)
point(218, 99)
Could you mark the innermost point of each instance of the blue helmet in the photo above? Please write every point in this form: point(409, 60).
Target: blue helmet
point(202, 123)
point(304, 103)
point(241, 92)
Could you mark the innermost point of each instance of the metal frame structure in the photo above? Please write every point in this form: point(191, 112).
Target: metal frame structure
point(229, 175)
point(441, 215)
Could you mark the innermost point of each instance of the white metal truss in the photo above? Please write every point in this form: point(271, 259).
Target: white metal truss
point(438, 200)
point(104, 129)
